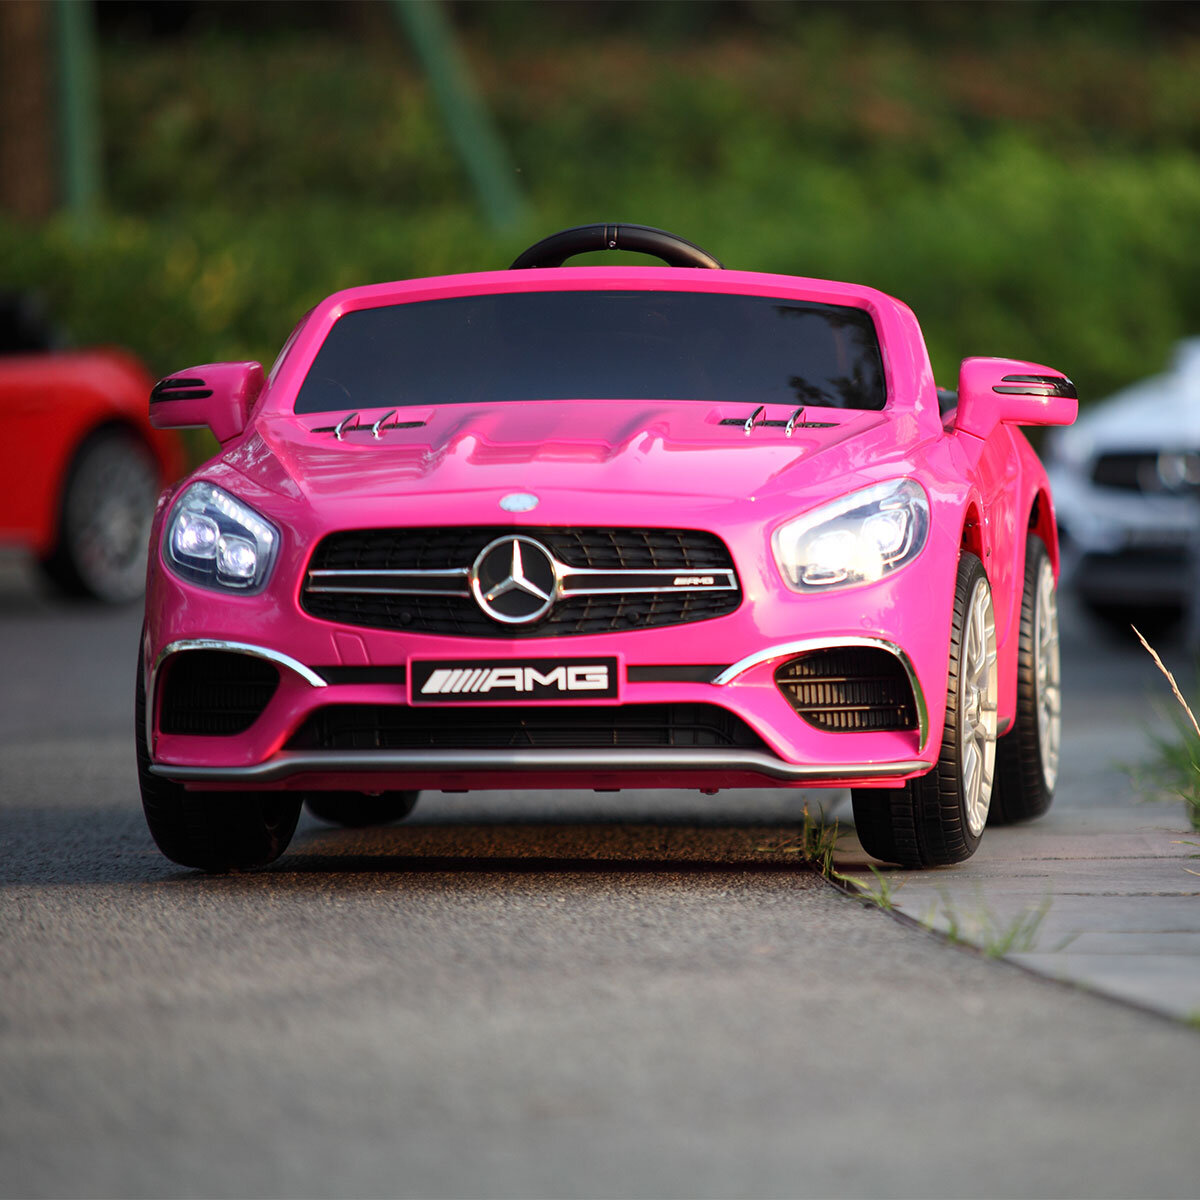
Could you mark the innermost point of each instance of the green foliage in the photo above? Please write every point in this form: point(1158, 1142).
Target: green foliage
point(882, 895)
point(994, 936)
point(1174, 767)
point(1032, 196)
point(816, 844)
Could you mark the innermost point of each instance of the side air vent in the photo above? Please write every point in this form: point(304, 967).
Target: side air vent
point(1037, 385)
point(849, 690)
point(180, 389)
point(214, 693)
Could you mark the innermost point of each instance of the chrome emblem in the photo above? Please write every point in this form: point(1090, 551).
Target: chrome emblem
point(514, 580)
point(519, 502)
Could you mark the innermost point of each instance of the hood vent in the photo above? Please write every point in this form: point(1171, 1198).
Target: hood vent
point(752, 422)
point(352, 423)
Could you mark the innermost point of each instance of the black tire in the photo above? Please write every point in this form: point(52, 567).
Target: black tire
point(1027, 756)
point(214, 831)
point(357, 810)
point(104, 517)
point(929, 821)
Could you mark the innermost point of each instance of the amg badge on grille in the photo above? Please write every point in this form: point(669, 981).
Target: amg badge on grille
point(503, 679)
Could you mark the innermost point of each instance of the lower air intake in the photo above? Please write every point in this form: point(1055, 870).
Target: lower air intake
point(214, 693)
point(583, 727)
point(849, 690)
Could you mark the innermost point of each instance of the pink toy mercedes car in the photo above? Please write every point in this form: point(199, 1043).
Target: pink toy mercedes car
point(603, 527)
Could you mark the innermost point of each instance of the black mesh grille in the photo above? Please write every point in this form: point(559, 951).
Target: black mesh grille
point(625, 726)
point(427, 549)
point(849, 690)
point(1127, 471)
point(215, 693)
point(1148, 471)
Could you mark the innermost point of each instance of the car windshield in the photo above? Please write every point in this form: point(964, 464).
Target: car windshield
point(597, 345)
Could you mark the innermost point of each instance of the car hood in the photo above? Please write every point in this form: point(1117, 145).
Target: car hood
point(677, 449)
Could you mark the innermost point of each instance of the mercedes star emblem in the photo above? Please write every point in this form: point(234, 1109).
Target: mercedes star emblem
point(514, 580)
point(516, 502)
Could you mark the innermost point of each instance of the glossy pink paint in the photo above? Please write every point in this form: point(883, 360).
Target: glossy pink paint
point(625, 461)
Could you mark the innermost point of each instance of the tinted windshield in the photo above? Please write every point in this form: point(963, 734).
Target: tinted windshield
point(597, 345)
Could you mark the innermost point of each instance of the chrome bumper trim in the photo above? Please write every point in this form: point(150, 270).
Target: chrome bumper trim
point(185, 644)
point(367, 762)
point(791, 649)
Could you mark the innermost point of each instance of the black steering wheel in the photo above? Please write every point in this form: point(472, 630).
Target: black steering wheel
point(554, 250)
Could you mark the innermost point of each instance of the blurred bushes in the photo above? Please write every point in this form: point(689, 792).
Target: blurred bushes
point(1037, 197)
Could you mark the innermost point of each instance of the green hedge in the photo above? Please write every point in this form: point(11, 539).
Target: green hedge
point(1050, 215)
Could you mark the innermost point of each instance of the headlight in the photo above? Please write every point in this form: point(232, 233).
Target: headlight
point(858, 539)
point(217, 541)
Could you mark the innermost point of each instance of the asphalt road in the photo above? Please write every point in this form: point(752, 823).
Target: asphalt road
point(526, 994)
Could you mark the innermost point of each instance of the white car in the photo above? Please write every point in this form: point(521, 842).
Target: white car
point(1126, 482)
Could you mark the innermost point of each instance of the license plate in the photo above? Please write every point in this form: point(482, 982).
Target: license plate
point(490, 680)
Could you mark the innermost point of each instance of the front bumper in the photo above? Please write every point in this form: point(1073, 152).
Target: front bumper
point(726, 663)
point(259, 762)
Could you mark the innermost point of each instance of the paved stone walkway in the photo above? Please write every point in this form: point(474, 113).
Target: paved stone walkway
point(1107, 898)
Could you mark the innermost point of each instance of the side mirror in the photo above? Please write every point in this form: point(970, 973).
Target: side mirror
point(992, 391)
point(219, 395)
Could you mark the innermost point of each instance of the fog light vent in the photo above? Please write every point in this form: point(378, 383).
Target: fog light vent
point(849, 690)
point(214, 693)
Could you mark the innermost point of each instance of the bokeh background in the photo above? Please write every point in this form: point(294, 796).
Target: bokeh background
point(1024, 175)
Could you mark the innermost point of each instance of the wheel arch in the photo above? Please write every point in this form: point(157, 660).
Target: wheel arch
point(971, 536)
point(1043, 524)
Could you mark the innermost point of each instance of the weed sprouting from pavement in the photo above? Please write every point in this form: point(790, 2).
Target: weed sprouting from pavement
point(816, 844)
point(995, 937)
point(882, 895)
point(1019, 936)
point(820, 842)
point(1176, 766)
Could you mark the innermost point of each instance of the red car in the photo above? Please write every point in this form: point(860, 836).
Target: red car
point(81, 465)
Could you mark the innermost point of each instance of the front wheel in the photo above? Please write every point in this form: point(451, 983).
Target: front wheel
point(1027, 756)
point(214, 831)
point(938, 818)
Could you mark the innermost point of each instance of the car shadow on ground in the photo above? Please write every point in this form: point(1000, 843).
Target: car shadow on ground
point(550, 846)
point(66, 847)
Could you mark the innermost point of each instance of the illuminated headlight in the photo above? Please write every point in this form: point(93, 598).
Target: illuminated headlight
point(858, 539)
point(215, 540)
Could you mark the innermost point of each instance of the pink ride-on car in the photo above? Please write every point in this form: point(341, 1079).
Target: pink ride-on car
point(603, 527)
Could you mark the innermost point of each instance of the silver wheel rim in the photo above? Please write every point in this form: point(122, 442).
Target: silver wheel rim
point(977, 688)
point(109, 512)
point(1048, 673)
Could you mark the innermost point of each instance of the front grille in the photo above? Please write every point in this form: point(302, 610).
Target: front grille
point(215, 693)
point(441, 549)
point(849, 690)
point(1126, 471)
point(1148, 471)
point(583, 727)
